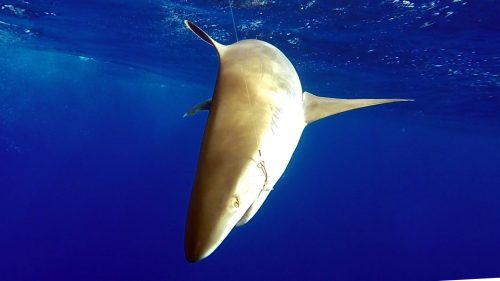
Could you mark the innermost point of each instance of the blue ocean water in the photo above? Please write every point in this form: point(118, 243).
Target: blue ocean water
point(97, 163)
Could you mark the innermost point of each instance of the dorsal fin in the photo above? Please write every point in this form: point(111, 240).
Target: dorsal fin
point(204, 36)
point(316, 108)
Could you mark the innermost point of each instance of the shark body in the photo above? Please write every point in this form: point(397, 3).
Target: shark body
point(256, 117)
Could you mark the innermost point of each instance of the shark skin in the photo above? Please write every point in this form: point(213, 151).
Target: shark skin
point(256, 117)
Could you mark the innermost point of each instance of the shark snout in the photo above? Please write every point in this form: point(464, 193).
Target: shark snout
point(206, 228)
point(203, 238)
point(196, 251)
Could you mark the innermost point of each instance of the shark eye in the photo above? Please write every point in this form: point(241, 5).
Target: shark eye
point(236, 202)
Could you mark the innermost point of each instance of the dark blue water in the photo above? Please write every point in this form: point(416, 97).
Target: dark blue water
point(97, 163)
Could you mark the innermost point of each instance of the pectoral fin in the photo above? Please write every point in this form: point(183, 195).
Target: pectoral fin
point(316, 108)
point(203, 106)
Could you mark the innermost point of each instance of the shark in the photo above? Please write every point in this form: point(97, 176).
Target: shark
point(256, 117)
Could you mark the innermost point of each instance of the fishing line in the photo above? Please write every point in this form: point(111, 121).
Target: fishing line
point(251, 105)
point(261, 165)
point(232, 17)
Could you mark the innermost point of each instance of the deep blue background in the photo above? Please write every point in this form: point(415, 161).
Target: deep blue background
point(97, 163)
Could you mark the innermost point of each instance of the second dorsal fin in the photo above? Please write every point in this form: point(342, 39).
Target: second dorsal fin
point(204, 36)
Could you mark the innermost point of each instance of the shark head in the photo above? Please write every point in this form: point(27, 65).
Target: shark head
point(222, 193)
point(207, 226)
